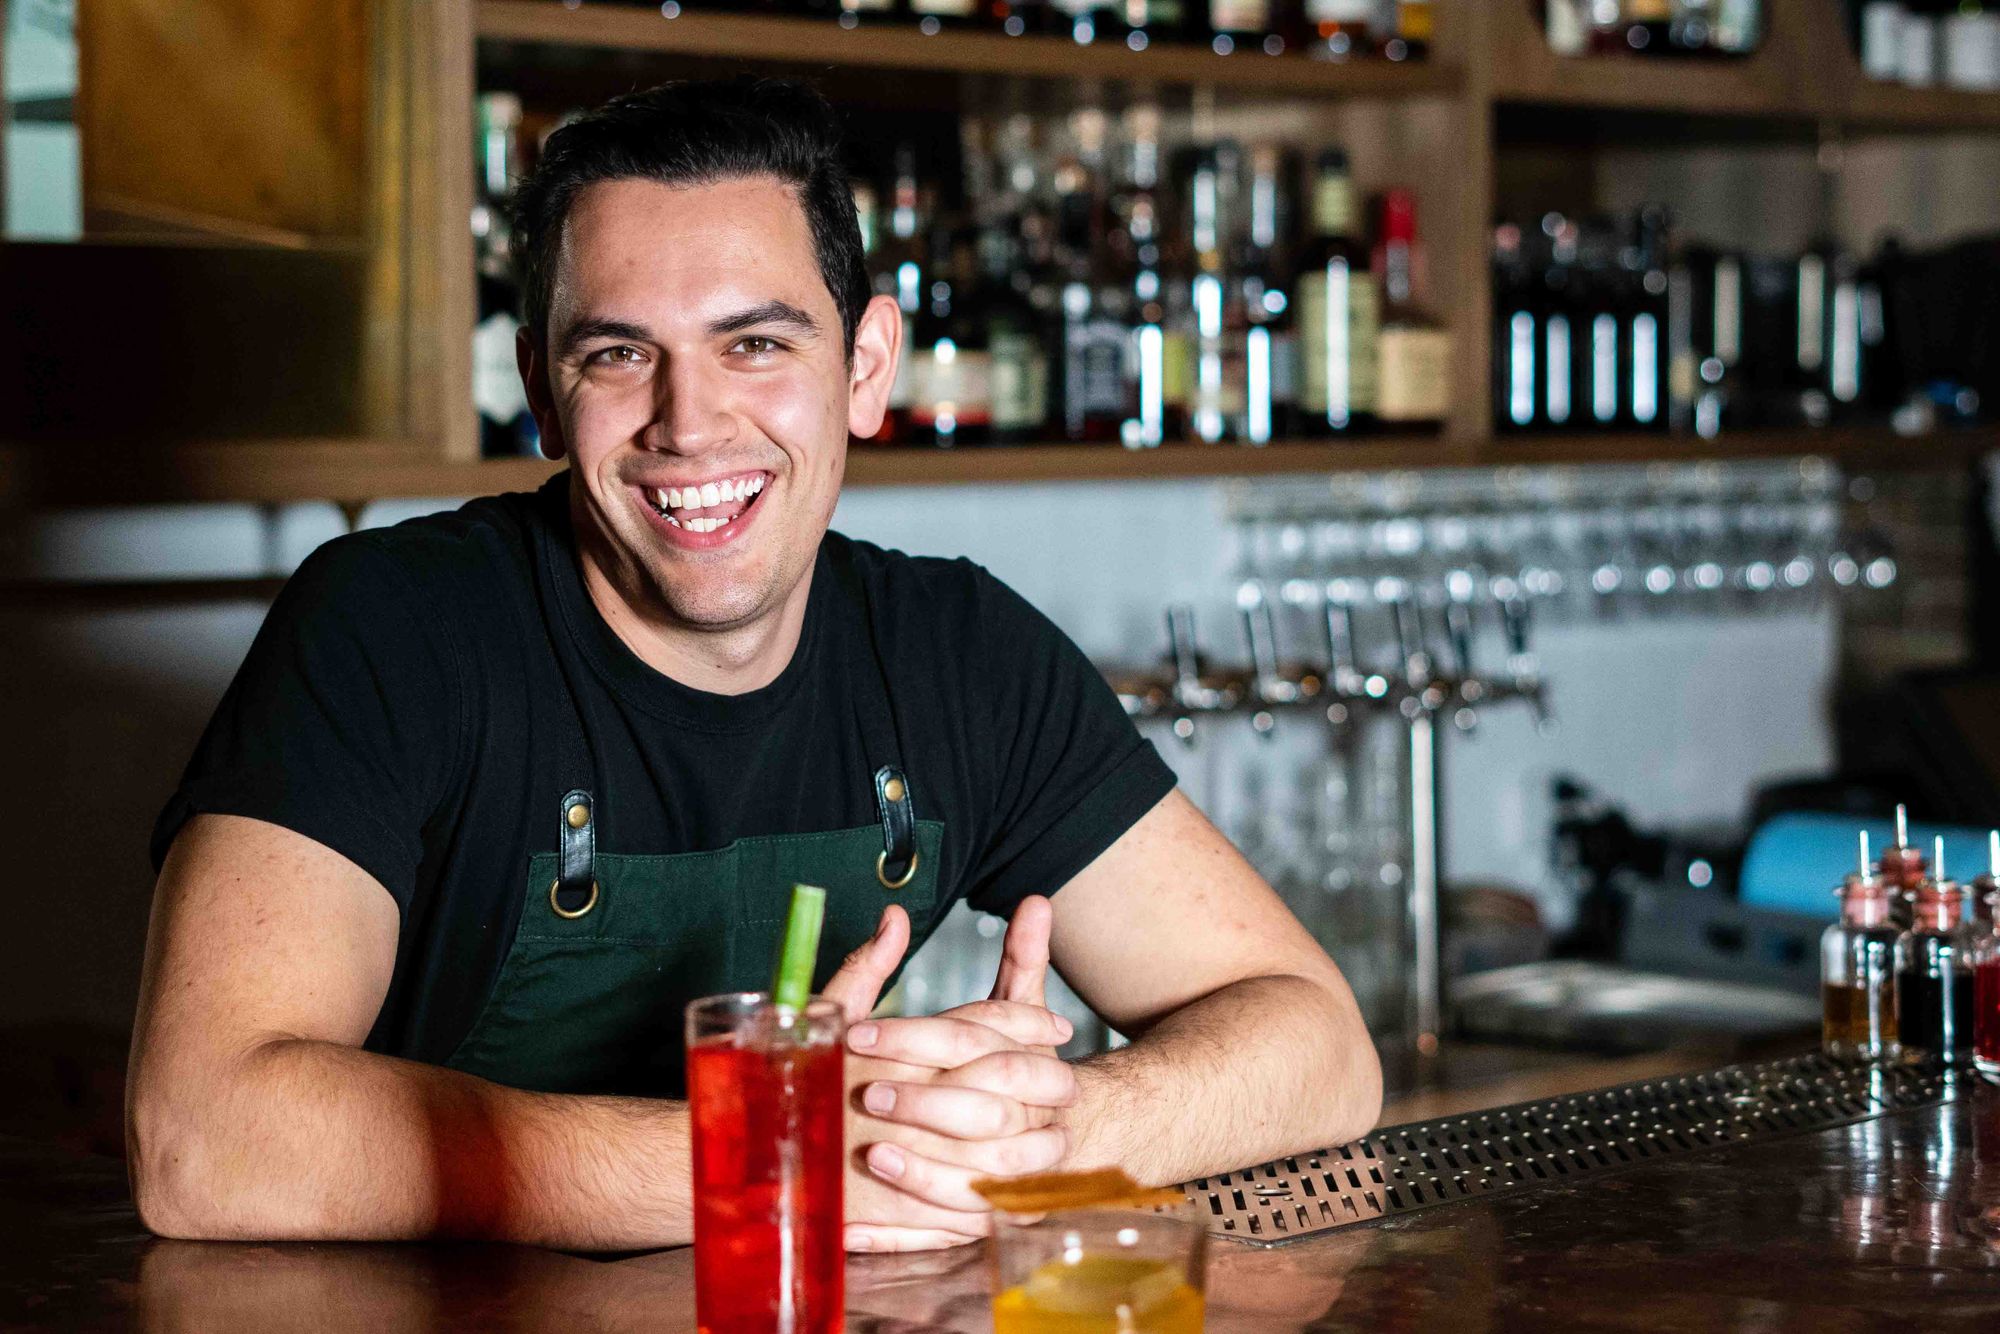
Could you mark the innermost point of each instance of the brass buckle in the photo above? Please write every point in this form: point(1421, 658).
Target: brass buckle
point(557, 908)
point(882, 870)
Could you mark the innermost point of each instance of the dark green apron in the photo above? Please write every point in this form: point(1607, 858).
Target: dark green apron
point(611, 947)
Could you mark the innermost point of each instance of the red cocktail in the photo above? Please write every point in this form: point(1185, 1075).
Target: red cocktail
point(766, 1095)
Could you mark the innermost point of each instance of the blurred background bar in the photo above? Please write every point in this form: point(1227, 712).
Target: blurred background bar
point(1527, 463)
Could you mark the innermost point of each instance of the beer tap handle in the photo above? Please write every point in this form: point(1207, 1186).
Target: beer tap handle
point(1260, 632)
point(1410, 640)
point(1458, 628)
point(1187, 668)
point(1343, 668)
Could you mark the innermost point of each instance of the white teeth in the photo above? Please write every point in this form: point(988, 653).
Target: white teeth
point(671, 519)
point(705, 525)
point(673, 494)
point(756, 484)
point(741, 489)
point(658, 497)
point(711, 494)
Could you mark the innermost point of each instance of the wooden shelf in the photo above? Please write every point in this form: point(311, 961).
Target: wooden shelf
point(822, 42)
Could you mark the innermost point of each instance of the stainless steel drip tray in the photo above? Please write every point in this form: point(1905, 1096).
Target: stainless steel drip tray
point(1553, 1141)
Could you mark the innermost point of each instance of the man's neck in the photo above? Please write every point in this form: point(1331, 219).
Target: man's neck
point(721, 662)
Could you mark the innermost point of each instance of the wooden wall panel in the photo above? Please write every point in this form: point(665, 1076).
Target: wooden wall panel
point(240, 118)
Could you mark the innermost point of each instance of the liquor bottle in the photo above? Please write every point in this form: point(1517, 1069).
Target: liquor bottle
point(1858, 971)
point(1260, 269)
point(1139, 23)
point(1219, 330)
point(1648, 26)
point(1934, 972)
point(955, 403)
point(1692, 29)
point(1412, 24)
point(506, 427)
point(899, 272)
point(1016, 340)
point(1566, 329)
point(1986, 965)
point(1517, 327)
point(1340, 29)
point(1338, 311)
point(1415, 350)
point(1137, 255)
point(933, 16)
point(1599, 302)
point(1087, 21)
point(1565, 26)
point(1881, 39)
point(1646, 326)
point(1243, 25)
point(1739, 26)
point(1095, 387)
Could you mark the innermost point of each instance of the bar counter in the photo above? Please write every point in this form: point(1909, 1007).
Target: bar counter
point(1886, 1223)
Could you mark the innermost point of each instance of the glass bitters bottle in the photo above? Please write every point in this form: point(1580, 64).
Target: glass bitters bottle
point(1858, 971)
point(1986, 968)
point(1934, 971)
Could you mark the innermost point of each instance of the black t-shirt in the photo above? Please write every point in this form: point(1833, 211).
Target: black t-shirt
point(408, 704)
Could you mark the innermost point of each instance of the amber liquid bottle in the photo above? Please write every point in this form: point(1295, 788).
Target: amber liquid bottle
point(1986, 965)
point(1858, 972)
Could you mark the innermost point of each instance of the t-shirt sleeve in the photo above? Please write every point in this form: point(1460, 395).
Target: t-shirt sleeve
point(1071, 773)
point(342, 723)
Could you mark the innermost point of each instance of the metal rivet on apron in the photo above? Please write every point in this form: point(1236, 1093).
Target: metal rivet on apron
point(893, 790)
point(578, 815)
point(556, 906)
point(882, 871)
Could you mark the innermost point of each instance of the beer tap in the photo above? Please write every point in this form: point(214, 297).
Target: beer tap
point(1522, 669)
point(1471, 689)
point(1193, 691)
point(1268, 686)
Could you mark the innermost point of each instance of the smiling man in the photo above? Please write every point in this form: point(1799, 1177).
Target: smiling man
point(496, 793)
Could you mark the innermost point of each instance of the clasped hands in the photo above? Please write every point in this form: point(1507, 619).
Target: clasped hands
point(935, 1103)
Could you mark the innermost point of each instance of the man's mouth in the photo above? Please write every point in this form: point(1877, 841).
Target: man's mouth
point(706, 506)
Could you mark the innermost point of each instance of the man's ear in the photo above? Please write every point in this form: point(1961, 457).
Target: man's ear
point(878, 344)
point(528, 359)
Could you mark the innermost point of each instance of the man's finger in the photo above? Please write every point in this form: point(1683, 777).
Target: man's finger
point(1033, 1078)
point(857, 984)
point(949, 1185)
point(936, 1042)
point(1024, 960)
point(956, 1112)
point(1029, 1025)
point(876, 1237)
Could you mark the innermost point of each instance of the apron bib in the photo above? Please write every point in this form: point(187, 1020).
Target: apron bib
point(610, 947)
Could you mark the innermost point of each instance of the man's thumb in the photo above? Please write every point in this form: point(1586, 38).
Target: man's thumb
point(1024, 961)
point(857, 984)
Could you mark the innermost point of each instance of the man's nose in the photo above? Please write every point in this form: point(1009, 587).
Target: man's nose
point(694, 408)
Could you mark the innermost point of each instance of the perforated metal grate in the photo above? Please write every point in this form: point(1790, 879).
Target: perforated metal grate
point(1551, 1142)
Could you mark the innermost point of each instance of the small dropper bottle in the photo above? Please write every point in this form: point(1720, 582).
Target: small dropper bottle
point(1934, 971)
point(1858, 971)
point(1986, 967)
point(1902, 869)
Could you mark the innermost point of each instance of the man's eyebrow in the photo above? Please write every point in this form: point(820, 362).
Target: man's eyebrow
point(592, 328)
point(779, 313)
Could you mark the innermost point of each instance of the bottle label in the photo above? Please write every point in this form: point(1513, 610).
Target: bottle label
point(1284, 369)
point(496, 377)
point(1339, 11)
point(1333, 204)
point(951, 9)
point(1415, 370)
point(1339, 323)
point(1252, 16)
point(865, 6)
point(958, 392)
point(1094, 364)
point(1020, 382)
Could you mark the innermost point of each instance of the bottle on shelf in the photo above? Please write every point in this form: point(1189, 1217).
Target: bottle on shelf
point(853, 13)
point(1340, 29)
point(1986, 965)
point(1243, 25)
point(1096, 393)
point(951, 368)
point(934, 16)
point(1648, 26)
point(1566, 25)
point(1411, 24)
point(899, 273)
point(1516, 334)
point(1414, 349)
point(1858, 971)
point(1260, 273)
point(506, 427)
point(1339, 311)
point(1646, 330)
point(1216, 327)
point(1138, 245)
point(1934, 971)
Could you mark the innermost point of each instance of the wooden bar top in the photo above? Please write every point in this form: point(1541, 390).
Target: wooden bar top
point(1886, 1224)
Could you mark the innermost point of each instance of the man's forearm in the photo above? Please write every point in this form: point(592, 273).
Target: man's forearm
point(302, 1139)
point(1262, 1068)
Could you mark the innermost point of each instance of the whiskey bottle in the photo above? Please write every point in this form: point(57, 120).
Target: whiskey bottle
point(1338, 311)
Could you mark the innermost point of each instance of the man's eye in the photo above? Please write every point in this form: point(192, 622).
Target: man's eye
point(622, 355)
point(757, 345)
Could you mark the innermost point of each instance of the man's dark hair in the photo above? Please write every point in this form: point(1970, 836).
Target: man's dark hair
point(697, 132)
